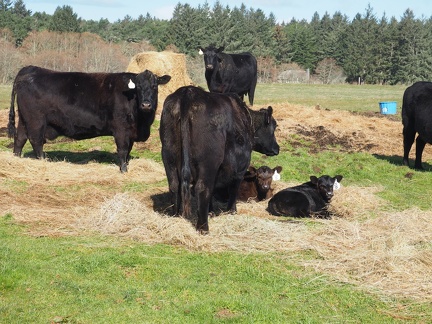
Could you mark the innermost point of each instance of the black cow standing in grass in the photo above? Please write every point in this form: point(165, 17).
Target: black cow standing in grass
point(308, 199)
point(226, 73)
point(207, 141)
point(83, 105)
point(417, 118)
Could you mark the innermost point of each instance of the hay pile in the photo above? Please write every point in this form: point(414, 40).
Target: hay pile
point(161, 63)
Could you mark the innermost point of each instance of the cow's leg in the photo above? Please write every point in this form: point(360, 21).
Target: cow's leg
point(420, 144)
point(36, 136)
point(20, 139)
point(251, 92)
point(408, 140)
point(123, 150)
point(175, 194)
point(232, 200)
point(203, 192)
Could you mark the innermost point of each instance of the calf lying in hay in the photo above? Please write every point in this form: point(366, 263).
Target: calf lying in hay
point(308, 199)
point(256, 183)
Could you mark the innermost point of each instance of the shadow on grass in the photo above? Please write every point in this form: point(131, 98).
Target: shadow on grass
point(79, 157)
point(398, 160)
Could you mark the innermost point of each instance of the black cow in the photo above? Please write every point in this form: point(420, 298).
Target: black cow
point(256, 184)
point(308, 199)
point(226, 73)
point(417, 118)
point(83, 105)
point(207, 139)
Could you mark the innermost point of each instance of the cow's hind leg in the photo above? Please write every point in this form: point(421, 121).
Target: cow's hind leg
point(420, 144)
point(408, 140)
point(232, 200)
point(36, 136)
point(203, 192)
point(20, 138)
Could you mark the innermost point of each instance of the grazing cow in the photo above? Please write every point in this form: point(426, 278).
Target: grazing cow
point(226, 73)
point(207, 139)
point(307, 199)
point(83, 105)
point(256, 184)
point(417, 118)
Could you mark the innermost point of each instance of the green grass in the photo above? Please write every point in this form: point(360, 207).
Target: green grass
point(94, 279)
point(363, 98)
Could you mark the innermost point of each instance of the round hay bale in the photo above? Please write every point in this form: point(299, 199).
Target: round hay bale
point(160, 63)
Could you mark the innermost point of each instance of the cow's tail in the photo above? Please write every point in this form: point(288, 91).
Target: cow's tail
point(11, 125)
point(186, 174)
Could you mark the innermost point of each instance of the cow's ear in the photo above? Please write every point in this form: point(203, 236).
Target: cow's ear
point(338, 178)
point(269, 113)
point(314, 180)
point(278, 169)
point(164, 79)
point(220, 49)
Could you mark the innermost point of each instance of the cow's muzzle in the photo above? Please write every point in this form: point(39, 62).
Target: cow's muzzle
point(209, 66)
point(146, 105)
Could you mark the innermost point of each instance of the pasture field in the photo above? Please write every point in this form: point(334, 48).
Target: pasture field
point(82, 243)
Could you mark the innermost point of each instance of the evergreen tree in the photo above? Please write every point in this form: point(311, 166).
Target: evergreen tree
point(359, 41)
point(64, 20)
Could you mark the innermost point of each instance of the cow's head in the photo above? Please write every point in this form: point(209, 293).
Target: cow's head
point(264, 177)
point(264, 136)
point(325, 185)
point(211, 57)
point(146, 85)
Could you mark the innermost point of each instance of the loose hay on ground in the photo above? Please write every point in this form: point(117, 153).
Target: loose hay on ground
point(390, 253)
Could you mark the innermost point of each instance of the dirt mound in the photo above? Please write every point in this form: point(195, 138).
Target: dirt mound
point(161, 63)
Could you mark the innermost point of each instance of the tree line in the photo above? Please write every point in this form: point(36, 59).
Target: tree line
point(332, 48)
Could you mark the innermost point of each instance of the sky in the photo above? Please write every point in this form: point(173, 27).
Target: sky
point(283, 10)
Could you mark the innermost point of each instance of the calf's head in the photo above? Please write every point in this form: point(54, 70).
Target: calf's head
point(264, 135)
point(211, 56)
point(325, 185)
point(146, 85)
point(264, 177)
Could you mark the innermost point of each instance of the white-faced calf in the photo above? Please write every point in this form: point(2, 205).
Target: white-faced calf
point(308, 199)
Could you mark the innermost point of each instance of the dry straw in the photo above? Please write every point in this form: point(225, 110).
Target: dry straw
point(365, 244)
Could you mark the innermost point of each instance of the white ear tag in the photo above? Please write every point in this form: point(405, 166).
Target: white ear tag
point(131, 85)
point(276, 176)
point(336, 185)
point(200, 52)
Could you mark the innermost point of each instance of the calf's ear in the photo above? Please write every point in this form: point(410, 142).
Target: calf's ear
point(252, 170)
point(314, 180)
point(338, 178)
point(164, 79)
point(278, 169)
point(269, 113)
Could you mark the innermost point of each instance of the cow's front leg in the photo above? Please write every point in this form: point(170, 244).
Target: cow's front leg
point(123, 150)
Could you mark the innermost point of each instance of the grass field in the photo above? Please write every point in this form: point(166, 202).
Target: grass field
point(82, 243)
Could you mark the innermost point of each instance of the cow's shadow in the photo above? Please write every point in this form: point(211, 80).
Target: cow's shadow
point(162, 204)
point(102, 157)
point(398, 160)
